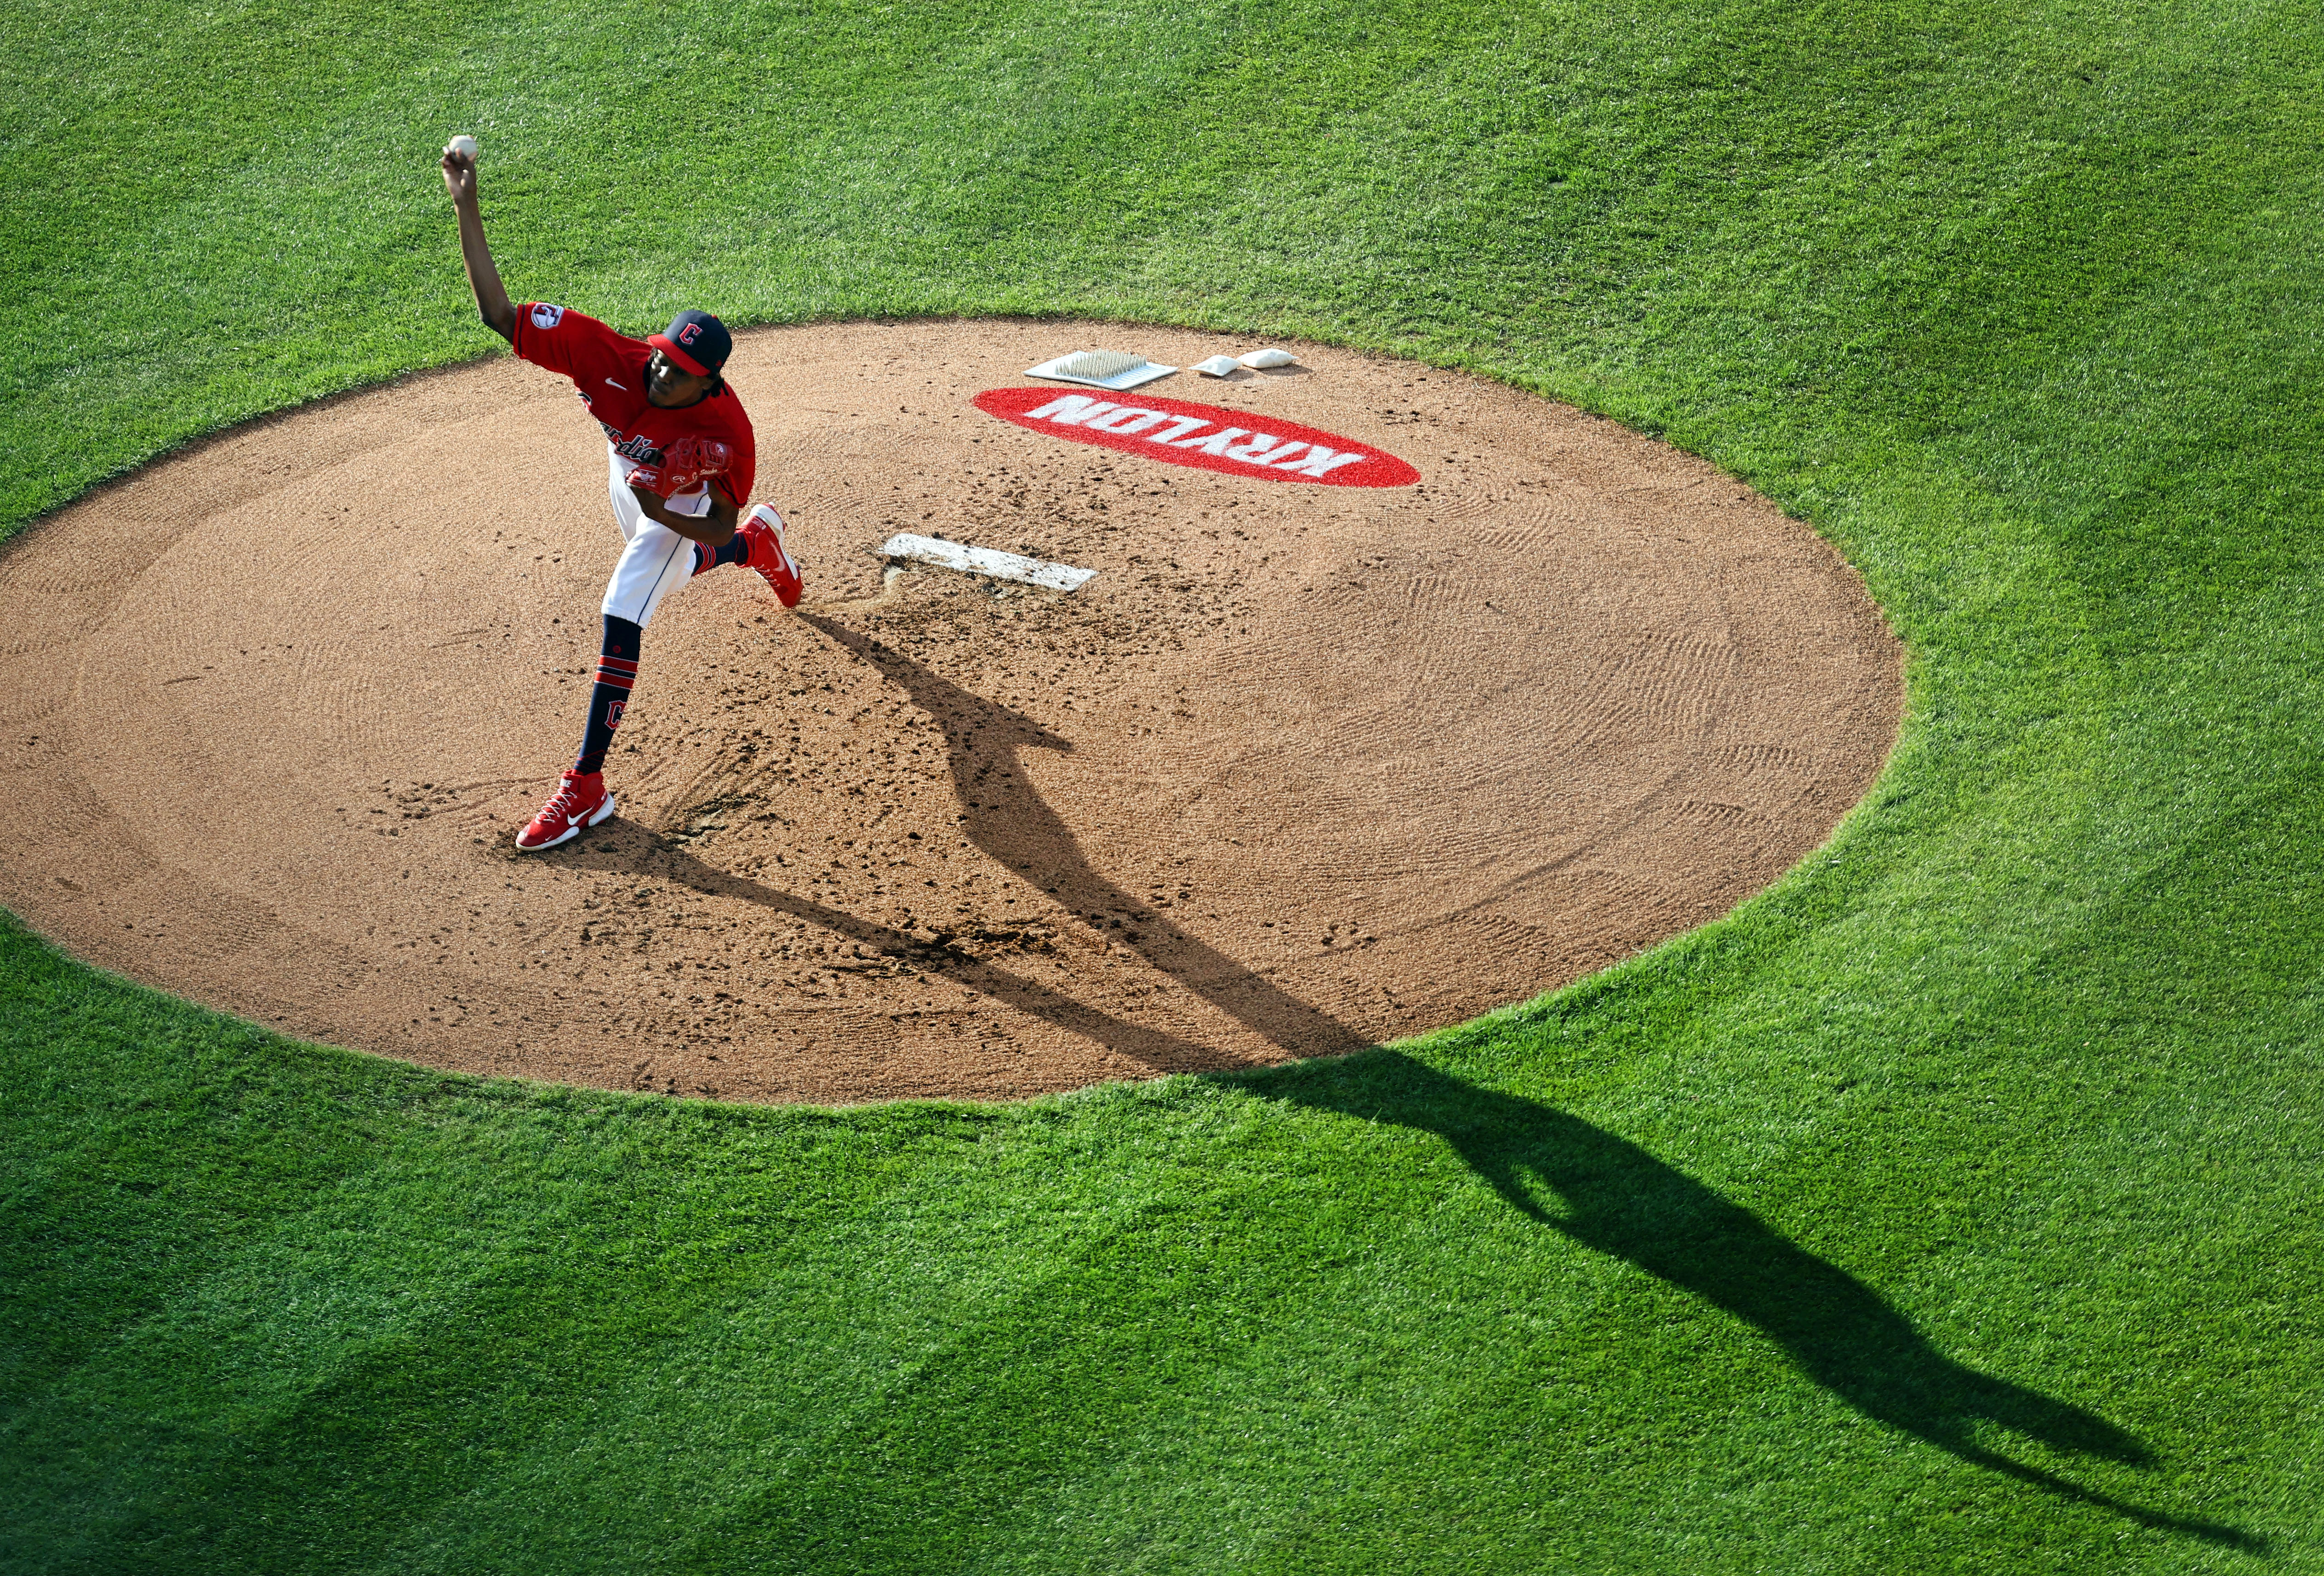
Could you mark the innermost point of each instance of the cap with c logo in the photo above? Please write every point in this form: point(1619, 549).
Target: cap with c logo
point(697, 341)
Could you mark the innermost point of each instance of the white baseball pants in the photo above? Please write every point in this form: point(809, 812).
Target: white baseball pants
point(655, 559)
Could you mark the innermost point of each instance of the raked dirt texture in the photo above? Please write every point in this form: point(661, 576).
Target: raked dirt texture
point(1948, 1206)
point(1301, 769)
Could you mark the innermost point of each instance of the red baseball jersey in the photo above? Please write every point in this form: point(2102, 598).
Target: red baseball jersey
point(669, 452)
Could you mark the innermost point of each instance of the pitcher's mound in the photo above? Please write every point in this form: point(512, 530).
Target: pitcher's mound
point(1306, 767)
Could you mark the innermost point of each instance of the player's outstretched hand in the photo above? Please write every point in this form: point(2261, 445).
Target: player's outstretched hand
point(460, 175)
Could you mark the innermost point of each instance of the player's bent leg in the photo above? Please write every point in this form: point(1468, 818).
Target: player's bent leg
point(656, 562)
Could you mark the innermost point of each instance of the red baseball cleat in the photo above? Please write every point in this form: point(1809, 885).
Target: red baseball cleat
point(579, 802)
point(764, 531)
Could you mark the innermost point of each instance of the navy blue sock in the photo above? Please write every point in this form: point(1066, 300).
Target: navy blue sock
point(709, 557)
point(617, 670)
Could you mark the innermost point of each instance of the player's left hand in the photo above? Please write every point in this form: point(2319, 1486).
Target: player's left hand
point(690, 460)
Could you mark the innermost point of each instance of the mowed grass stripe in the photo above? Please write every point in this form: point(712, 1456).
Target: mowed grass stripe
point(2016, 302)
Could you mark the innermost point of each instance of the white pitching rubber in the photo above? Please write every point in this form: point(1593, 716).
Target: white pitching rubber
point(984, 561)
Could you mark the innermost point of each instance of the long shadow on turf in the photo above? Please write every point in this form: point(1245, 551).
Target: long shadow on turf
point(1620, 1200)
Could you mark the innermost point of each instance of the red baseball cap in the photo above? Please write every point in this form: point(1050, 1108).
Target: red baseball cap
point(697, 341)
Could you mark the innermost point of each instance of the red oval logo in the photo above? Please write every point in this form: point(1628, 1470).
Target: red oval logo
point(1238, 442)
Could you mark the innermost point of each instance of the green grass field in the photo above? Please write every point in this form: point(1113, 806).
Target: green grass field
point(1955, 1206)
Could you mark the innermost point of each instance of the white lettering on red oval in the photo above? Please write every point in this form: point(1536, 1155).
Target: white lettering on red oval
point(1129, 419)
point(1180, 433)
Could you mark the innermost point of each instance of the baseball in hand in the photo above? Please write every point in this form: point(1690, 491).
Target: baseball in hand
point(463, 143)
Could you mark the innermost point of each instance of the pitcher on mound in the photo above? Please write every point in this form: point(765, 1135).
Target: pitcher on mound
point(679, 456)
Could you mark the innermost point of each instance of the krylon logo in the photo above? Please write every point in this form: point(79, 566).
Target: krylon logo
point(1239, 443)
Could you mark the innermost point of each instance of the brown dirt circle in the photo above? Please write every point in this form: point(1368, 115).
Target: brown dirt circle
point(1304, 768)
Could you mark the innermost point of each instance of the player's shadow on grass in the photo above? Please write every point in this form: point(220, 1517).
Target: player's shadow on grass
point(1004, 816)
point(1612, 1196)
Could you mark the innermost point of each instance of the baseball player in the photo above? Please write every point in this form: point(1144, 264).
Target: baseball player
point(681, 457)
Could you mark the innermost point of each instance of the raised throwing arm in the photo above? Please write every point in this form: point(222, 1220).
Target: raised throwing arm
point(491, 299)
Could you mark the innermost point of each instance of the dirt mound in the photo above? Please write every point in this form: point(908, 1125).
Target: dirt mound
point(1303, 767)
